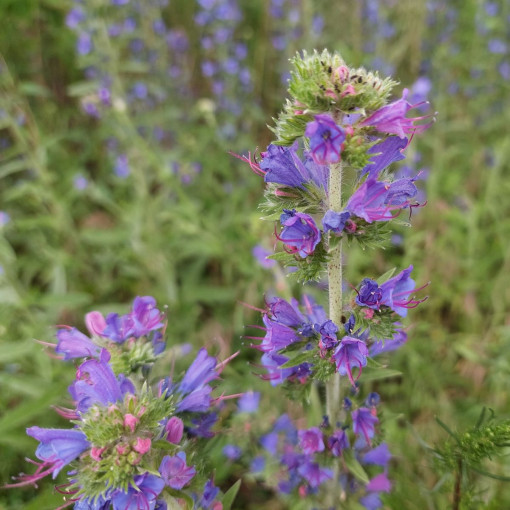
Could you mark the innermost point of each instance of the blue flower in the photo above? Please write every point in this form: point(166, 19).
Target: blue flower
point(363, 423)
point(386, 152)
point(335, 221)
point(144, 496)
point(58, 446)
point(300, 233)
point(326, 139)
point(199, 373)
point(174, 471)
point(352, 352)
point(74, 344)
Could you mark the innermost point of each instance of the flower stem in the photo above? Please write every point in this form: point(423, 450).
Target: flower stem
point(335, 288)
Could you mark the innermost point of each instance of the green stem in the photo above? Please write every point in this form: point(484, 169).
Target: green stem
point(335, 288)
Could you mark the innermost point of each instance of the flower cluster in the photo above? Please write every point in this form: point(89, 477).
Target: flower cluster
point(300, 462)
point(132, 444)
point(337, 117)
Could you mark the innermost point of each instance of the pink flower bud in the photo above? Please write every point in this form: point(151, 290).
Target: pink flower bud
point(142, 446)
point(174, 429)
point(96, 452)
point(130, 422)
point(95, 323)
point(122, 449)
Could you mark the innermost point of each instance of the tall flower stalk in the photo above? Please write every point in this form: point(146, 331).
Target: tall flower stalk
point(337, 118)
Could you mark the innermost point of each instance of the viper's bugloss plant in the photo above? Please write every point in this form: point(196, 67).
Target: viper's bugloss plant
point(338, 121)
point(133, 441)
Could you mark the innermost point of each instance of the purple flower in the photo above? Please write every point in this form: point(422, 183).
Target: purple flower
point(379, 483)
point(272, 361)
point(310, 440)
point(282, 165)
point(4, 218)
point(96, 384)
point(278, 336)
point(386, 152)
point(74, 17)
point(118, 328)
point(84, 43)
point(203, 425)
point(270, 442)
point(338, 442)
point(371, 501)
point(146, 316)
point(249, 402)
point(232, 452)
point(199, 400)
point(328, 331)
point(300, 233)
point(326, 139)
point(286, 313)
point(392, 118)
point(58, 446)
point(314, 474)
point(261, 254)
point(174, 429)
point(335, 221)
point(351, 353)
point(375, 200)
point(74, 344)
point(199, 373)
point(121, 167)
point(363, 423)
point(148, 488)
point(174, 471)
point(380, 456)
point(209, 495)
point(99, 503)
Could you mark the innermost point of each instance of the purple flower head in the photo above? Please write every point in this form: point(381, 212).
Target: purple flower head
point(84, 43)
point(121, 167)
point(310, 440)
point(270, 442)
point(351, 353)
point(369, 294)
point(391, 344)
point(199, 400)
point(80, 182)
point(232, 452)
point(249, 402)
point(261, 254)
point(338, 442)
point(396, 292)
point(371, 501)
point(203, 425)
point(328, 331)
point(282, 165)
point(379, 456)
point(286, 313)
point(74, 344)
point(199, 373)
point(146, 317)
point(258, 464)
point(386, 152)
point(174, 471)
point(75, 16)
point(335, 221)
point(373, 399)
point(376, 200)
point(58, 446)
point(300, 233)
point(363, 423)
point(379, 483)
point(145, 496)
point(209, 495)
point(277, 337)
point(326, 139)
point(118, 328)
point(96, 384)
point(314, 474)
point(392, 118)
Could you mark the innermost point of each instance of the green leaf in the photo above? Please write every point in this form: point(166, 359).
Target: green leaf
point(375, 374)
point(354, 466)
point(303, 357)
point(230, 495)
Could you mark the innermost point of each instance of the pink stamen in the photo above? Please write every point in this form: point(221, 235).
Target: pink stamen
point(253, 307)
point(253, 165)
point(68, 414)
point(220, 366)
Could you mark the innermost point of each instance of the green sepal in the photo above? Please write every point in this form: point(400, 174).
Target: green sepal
point(381, 325)
point(302, 357)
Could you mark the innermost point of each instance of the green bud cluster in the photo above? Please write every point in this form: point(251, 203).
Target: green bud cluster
point(120, 436)
point(322, 83)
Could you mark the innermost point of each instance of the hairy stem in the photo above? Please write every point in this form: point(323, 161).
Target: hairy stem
point(335, 288)
point(457, 489)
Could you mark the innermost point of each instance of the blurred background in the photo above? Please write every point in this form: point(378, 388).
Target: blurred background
point(116, 122)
